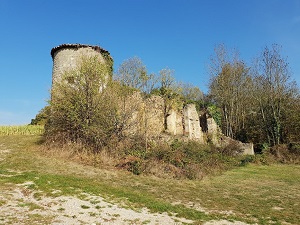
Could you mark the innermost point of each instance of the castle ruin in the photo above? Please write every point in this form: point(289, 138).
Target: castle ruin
point(67, 56)
point(183, 123)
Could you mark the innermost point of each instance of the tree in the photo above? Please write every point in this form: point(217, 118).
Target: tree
point(133, 73)
point(190, 92)
point(274, 92)
point(291, 126)
point(89, 108)
point(78, 108)
point(42, 117)
point(229, 83)
point(169, 91)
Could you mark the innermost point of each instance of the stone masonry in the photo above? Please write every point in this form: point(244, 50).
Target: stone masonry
point(67, 56)
point(192, 123)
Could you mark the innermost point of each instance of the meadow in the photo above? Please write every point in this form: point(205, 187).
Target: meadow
point(252, 194)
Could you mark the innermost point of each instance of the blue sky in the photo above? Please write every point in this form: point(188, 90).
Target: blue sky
point(178, 34)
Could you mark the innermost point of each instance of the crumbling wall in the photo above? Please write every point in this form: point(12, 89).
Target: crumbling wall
point(148, 118)
point(214, 132)
point(153, 116)
point(192, 124)
point(247, 148)
point(67, 56)
point(175, 122)
point(217, 138)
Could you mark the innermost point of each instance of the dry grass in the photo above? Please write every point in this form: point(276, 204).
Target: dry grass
point(254, 194)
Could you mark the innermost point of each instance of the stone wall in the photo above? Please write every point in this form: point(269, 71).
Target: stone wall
point(192, 127)
point(147, 117)
point(153, 116)
point(247, 148)
point(175, 122)
point(144, 116)
point(214, 132)
point(68, 56)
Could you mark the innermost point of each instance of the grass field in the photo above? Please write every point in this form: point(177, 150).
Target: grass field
point(251, 194)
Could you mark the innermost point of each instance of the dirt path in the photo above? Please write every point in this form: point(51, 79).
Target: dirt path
point(21, 206)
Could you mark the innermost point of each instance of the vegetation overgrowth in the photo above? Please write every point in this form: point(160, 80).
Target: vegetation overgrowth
point(253, 194)
point(179, 159)
point(92, 113)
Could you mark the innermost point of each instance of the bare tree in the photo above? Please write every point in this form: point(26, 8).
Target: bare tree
point(190, 92)
point(133, 73)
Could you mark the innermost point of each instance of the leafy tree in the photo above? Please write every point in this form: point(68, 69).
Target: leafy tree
point(291, 126)
point(87, 107)
point(229, 83)
point(274, 92)
point(78, 108)
point(42, 117)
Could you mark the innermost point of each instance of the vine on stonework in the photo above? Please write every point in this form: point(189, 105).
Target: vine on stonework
point(109, 60)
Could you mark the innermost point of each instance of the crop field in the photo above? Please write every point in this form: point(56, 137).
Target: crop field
point(21, 130)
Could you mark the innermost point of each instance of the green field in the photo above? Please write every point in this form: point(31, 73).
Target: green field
point(252, 194)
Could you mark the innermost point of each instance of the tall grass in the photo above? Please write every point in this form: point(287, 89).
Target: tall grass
point(21, 130)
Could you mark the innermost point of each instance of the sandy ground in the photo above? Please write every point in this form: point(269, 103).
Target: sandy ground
point(21, 205)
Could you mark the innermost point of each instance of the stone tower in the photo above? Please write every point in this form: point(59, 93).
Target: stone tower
point(67, 56)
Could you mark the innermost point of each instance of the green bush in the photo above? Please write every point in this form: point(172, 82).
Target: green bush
point(247, 159)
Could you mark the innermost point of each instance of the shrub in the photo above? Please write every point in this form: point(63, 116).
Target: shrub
point(294, 148)
point(286, 153)
point(247, 159)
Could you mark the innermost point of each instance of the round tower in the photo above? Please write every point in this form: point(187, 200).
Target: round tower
point(67, 56)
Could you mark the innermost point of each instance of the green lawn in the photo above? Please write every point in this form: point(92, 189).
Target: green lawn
point(253, 194)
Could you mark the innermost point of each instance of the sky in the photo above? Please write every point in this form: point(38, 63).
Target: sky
point(177, 34)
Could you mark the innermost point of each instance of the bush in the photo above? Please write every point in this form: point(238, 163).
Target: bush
point(247, 159)
point(179, 159)
point(286, 153)
point(294, 148)
point(132, 164)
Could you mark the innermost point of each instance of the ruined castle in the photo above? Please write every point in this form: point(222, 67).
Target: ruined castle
point(181, 123)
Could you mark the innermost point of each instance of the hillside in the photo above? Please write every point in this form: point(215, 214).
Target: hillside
point(38, 188)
